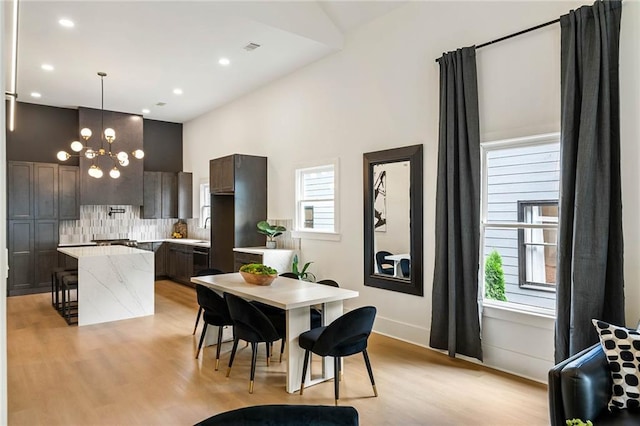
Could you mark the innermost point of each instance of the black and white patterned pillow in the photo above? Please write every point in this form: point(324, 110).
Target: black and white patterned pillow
point(622, 348)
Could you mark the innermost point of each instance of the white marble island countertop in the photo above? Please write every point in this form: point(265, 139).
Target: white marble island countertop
point(86, 251)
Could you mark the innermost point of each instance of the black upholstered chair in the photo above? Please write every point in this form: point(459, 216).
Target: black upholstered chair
point(289, 275)
point(215, 313)
point(384, 266)
point(405, 267)
point(316, 312)
point(251, 325)
point(347, 335)
point(285, 415)
point(202, 274)
point(331, 283)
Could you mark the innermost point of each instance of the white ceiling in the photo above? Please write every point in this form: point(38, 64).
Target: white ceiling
point(149, 48)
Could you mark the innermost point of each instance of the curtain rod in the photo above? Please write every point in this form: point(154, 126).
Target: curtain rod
point(514, 34)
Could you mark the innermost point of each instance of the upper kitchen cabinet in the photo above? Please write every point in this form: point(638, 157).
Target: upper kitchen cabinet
point(32, 190)
point(167, 195)
point(222, 174)
point(236, 206)
point(127, 189)
point(68, 192)
point(185, 195)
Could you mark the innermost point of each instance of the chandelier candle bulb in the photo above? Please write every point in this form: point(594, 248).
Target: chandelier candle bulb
point(63, 156)
point(85, 133)
point(76, 146)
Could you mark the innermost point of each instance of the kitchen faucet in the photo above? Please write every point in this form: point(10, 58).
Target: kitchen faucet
point(205, 222)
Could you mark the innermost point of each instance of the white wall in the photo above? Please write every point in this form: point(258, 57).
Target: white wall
point(380, 92)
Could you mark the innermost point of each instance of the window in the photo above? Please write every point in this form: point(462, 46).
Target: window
point(519, 221)
point(205, 205)
point(316, 205)
point(537, 246)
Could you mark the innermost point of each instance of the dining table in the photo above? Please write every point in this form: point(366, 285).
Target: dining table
point(295, 297)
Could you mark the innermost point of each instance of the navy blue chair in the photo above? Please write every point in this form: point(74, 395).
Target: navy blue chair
point(331, 283)
point(285, 415)
point(347, 335)
point(251, 325)
point(289, 275)
point(405, 267)
point(384, 266)
point(202, 274)
point(215, 313)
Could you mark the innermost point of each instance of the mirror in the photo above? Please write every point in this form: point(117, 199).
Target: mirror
point(393, 219)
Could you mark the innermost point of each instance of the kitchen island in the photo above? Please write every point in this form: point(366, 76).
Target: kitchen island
point(114, 283)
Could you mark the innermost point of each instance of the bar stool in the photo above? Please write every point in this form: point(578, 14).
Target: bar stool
point(56, 281)
point(69, 282)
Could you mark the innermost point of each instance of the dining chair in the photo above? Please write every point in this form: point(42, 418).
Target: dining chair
point(331, 283)
point(201, 274)
point(285, 415)
point(316, 311)
point(251, 325)
point(215, 313)
point(384, 266)
point(405, 267)
point(289, 275)
point(347, 335)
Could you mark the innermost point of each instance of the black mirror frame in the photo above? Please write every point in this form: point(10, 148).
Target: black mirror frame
point(413, 154)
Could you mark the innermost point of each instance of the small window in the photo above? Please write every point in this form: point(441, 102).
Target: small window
point(316, 206)
point(205, 206)
point(537, 246)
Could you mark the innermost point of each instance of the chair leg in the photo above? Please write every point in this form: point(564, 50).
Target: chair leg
point(370, 371)
point(204, 332)
point(281, 348)
point(336, 380)
point(254, 355)
point(218, 347)
point(197, 321)
point(233, 355)
point(304, 370)
point(269, 350)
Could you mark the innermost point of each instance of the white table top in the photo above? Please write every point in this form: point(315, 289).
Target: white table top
point(398, 256)
point(284, 293)
point(87, 251)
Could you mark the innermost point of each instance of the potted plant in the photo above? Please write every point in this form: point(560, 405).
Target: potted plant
point(302, 274)
point(271, 231)
point(258, 274)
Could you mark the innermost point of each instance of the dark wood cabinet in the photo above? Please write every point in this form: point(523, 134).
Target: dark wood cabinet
point(180, 263)
point(45, 190)
point(152, 196)
point(241, 259)
point(167, 195)
point(234, 214)
point(46, 253)
point(68, 192)
point(21, 256)
point(222, 174)
point(20, 190)
point(185, 195)
point(160, 258)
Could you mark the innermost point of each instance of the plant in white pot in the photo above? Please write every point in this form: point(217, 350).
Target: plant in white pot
point(271, 231)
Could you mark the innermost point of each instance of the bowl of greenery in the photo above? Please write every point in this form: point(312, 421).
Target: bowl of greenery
point(258, 274)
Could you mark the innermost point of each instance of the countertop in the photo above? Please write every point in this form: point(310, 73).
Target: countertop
point(261, 250)
point(187, 241)
point(87, 251)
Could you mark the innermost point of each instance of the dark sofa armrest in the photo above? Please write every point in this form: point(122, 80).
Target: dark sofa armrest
point(586, 385)
point(580, 386)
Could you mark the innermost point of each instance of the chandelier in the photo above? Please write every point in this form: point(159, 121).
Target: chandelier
point(119, 159)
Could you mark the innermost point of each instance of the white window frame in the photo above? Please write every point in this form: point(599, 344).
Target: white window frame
point(298, 229)
point(486, 147)
point(204, 203)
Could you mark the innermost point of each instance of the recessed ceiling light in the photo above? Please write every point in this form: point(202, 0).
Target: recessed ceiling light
point(36, 95)
point(146, 111)
point(47, 67)
point(67, 23)
point(224, 61)
point(177, 91)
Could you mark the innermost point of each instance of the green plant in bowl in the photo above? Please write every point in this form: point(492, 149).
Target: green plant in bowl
point(258, 274)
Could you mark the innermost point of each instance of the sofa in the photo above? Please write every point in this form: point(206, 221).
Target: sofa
point(283, 415)
point(580, 387)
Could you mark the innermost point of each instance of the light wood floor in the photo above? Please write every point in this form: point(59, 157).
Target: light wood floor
point(143, 372)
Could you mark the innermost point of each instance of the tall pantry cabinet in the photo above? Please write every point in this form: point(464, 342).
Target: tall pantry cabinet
point(238, 186)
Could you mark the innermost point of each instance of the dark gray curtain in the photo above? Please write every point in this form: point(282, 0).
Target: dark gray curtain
point(589, 276)
point(455, 325)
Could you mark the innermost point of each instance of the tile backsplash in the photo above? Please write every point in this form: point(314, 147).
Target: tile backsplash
point(96, 224)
